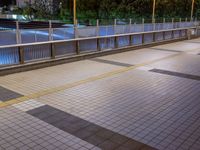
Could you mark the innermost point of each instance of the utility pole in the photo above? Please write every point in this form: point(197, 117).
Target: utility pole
point(75, 22)
point(192, 10)
point(154, 7)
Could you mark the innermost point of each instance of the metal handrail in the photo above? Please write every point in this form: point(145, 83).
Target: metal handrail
point(92, 38)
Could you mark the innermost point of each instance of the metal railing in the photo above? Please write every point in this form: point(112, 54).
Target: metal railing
point(27, 52)
point(19, 35)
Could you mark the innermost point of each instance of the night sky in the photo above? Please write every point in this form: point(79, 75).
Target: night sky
point(6, 2)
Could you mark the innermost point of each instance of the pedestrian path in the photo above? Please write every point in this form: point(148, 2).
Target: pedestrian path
point(138, 100)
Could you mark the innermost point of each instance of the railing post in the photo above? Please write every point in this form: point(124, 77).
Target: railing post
point(154, 37)
point(143, 24)
point(50, 31)
point(163, 23)
point(173, 23)
point(130, 40)
point(172, 34)
point(130, 25)
point(53, 53)
point(142, 38)
point(21, 54)
point(18, 35)
point(52, 47)
point(180, 22)
point(163, 35)
point(180, 33)
point(76, 30)
point(116, 42)
point(164, 20)
point(97, 33)
point(188, 34)
point(185, 24)
point(98, 44)
point(97, 27)
point(77, 47)
point(154, 24)
point(18, 41)
point(76, 36)
point(115, 24)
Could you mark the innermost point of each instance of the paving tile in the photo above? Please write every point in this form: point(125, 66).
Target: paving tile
point(28, 105)
point(155, 109)
point(144, 106)
point(32, 133)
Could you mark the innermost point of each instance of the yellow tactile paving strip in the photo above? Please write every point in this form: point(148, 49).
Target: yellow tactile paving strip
point(35, 81)
point(71, 85)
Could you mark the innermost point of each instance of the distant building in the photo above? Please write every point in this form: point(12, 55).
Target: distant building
point(22, 3)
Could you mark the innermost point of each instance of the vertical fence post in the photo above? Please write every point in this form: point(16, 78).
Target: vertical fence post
point(52, 46)
point(163, 24)
point(76, 29)
point(18, 36)
point(130, 40)
point(97, 34)
point(143, 38)
point(180, 22)
point(186, 20)
point(115, 24)
point(18, 41)
point(195, 22)
point(173, 23)
point(97, 27)
point(76, 36)
point(143, 24)
point(116, 42)
point(21, 54)
point(53, 52)
point(163, 35)
point(130, 25)
point(154, 37)
point(154, 24)
point(172, 34)
point(50, 31)
point(180, 25)
point(130, 36)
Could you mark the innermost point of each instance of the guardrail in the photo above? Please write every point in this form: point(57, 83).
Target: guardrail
point(28, 52)
point(20, 36)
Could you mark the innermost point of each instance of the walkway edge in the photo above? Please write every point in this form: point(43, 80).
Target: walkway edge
point(62, 60)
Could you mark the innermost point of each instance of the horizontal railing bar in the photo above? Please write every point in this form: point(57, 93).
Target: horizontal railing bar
point(92, 38)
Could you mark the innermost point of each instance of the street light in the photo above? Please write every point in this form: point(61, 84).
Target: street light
point(154, 7)
point(192, 9)
point(74, 12)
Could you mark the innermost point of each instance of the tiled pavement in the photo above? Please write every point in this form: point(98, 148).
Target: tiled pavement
point(156, 105)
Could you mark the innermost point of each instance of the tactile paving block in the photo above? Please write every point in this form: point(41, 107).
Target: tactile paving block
point(87, 131)
point(6, 94)
point(177, 74)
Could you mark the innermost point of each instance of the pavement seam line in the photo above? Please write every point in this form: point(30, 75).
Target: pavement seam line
point(77, 83)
